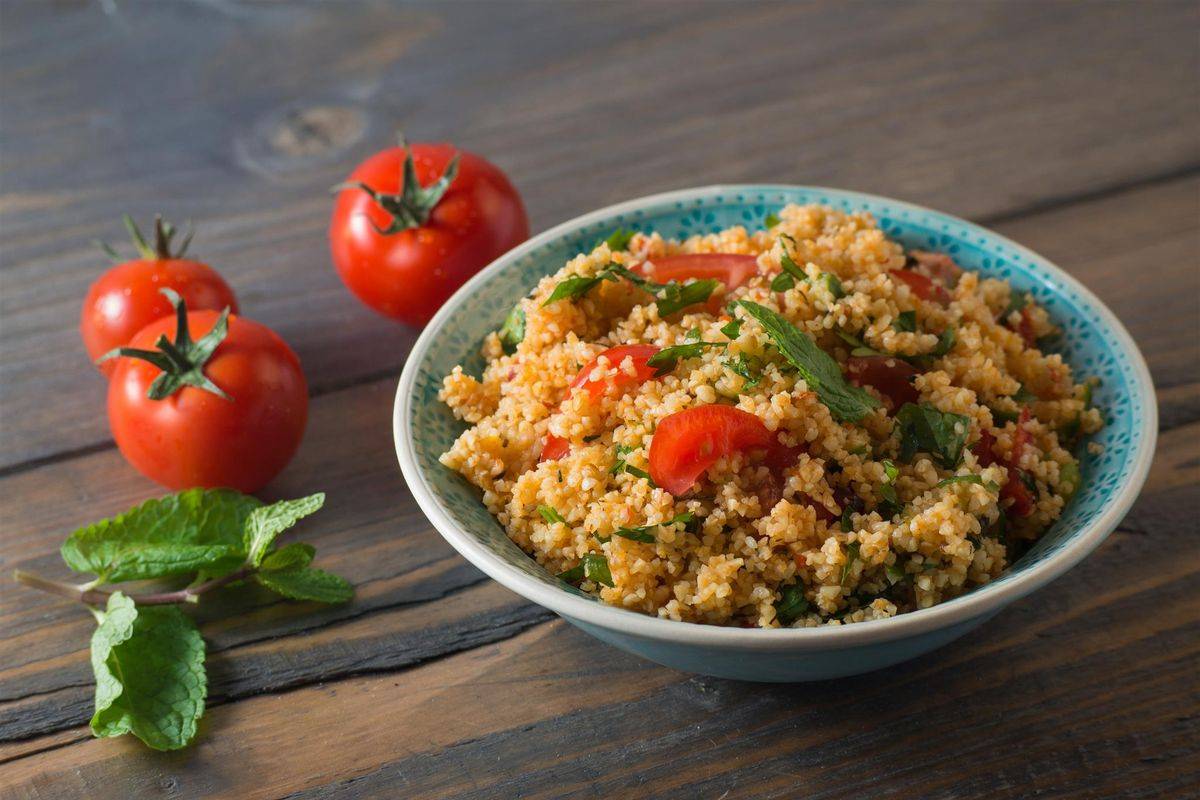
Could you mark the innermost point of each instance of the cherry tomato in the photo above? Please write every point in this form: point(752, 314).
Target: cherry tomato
point(923, 286)
point(688, 442)
point(1014, 488)
point(225, 410)
point(891, 376)
point(731, 269)
point(411, 224)
point(638, 354)
point(126, 298)
point(556, 447)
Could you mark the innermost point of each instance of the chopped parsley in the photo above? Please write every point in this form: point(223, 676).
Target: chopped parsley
point(791, 271)
point(895, 574)
point(550, 514)
point(905, 322)
point(945, 343)
point(926, 429)
point(1069, 473)
point(891, 501)
point(578, 286)
point(642, 533)
point(513, 330)
point(732, 328)
point(674, 297)
point(771, 220)
point(846, 402)
point(664, 360)
point(833, 285)
point(852, 551)
point(621, 465)
point(792, 604)
point(749, 367)
point(593, 566)
point(991, 486)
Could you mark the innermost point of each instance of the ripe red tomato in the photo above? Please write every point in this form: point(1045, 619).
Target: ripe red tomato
point(556, 447)
point(225, 410)
point(923, 286)
point(1014, 488)
point(126, 298)
point(891, 376)
point(731, 269)
point(688, 442)
point(411, 224)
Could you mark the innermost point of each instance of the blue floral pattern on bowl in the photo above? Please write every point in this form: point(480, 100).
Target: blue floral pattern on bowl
point(1093, 342)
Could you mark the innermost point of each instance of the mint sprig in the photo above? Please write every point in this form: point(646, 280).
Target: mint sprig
point(147, 655)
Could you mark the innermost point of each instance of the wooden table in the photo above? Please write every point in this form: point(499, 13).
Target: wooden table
point(1073, 128)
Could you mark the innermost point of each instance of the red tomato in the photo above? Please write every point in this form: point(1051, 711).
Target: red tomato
point(1014, 488)
point(731, 269)
point(556, 447)
point(923, 287)
point(238, 430)
point(404, 246)
point(1025, 327)
point(639, 354)
point(126, 298)
point(689, 442)
point(891, 376)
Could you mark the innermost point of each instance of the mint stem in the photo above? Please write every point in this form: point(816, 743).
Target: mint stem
point(98, 597)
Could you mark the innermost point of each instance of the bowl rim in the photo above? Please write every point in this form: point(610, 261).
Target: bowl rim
point(977, 603)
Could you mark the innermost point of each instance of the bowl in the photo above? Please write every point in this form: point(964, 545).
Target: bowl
point(1094, 343)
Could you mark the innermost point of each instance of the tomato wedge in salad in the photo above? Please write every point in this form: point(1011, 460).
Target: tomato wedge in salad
point(1014, 488)
point(923, 286)
point(732, 269)
point(688, 442)
point(556, 447)
point(892, 377)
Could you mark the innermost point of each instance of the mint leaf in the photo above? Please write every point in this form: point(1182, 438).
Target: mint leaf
point(771, 220)
point(198, 529)
point(642, 533)
point(792, 604)
point(852, 550)
point(664, 360)
point(593, 566)
point(847, 403)
point(307, 584)
point(673, 297)
point(512, 332)
point(267, 522)
point(905, 322)
point(550, 514)
point(732, 328)
point(618, 240)
point(294, 556)
point(748, 367)
point(926, 429)
point(833, 285)
point(150, 680)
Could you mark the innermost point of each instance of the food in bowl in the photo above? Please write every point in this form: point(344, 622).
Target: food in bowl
point(797, 426)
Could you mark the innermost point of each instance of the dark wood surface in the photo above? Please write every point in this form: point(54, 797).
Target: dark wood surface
point(1073, 128)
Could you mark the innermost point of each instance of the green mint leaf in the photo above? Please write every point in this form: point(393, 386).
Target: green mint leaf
point(572, 575)
point(267, 522)
point(732, 328)
point(771, 220)
point(675, 297)
point(572, 287)
point(859, 348)
point(296, 555)
point(748, 367)
point(664, 360)
point(642, 533)
point(150, 680)
point(890, 471)
point(512, 332)
point(619, 240)
point(924, 428)
point(905, 322)
point(991, 486)
point(593, 566)
point(198, 529)
point(847, 403)
point(851, 556)
point(307, 584)
point(792, 604)
point(782, 282)
point(788, 264)
point(550, 514)
point(833, 285)
point(944, 344)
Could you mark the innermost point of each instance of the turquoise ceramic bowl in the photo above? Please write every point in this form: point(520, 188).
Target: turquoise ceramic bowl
point(1095, 343)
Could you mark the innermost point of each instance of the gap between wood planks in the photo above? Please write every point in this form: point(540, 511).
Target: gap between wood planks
point(1016, 214)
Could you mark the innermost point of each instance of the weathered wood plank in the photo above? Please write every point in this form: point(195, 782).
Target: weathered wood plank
point(241, 124)
point(372, 532)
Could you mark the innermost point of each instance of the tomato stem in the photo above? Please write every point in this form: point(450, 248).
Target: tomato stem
point(162, 249)
point(411, 206)
point(87, 594)
point(182, 361)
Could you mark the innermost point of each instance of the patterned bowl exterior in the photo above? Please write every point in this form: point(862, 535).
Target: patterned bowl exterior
point(1094, 343)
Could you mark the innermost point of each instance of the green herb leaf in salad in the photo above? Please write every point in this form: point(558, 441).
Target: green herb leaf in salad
point(732, 328)
point(593, 567)
point(675, 297)
point(924, 428)
point(665, 360)
point(771, 220)
point(550, 514)
point(618, 240)
point(792, 604)
point(846, 402)
point(905, 322)
point(748, 367)
point(512, 332)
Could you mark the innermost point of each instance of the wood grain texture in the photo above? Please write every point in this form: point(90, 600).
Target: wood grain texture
point(1072, 128)
point(240, 116)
